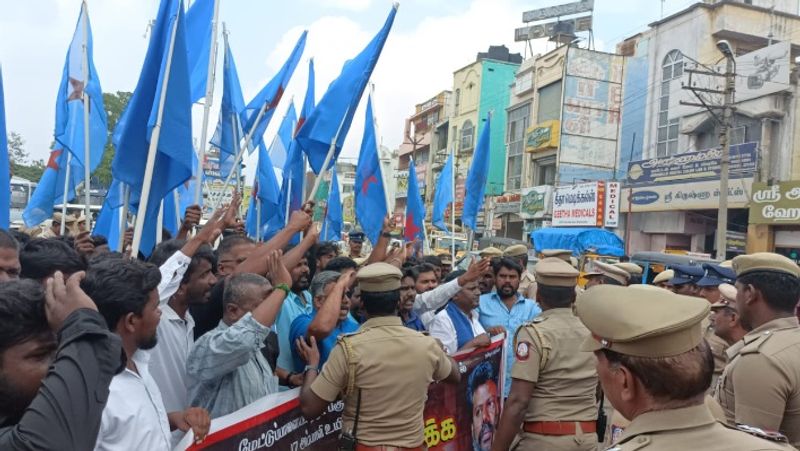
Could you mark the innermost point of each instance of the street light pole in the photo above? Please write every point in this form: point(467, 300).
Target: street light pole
point(724, 140)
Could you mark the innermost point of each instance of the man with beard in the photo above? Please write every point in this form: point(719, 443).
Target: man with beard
point(527, 284)
point(191, 264)
point(126, 294)
point(226, 368)
point(457, 326)
point(53, 391)
point(554, 384)
point(505, 310)
point(486, 282)
point(761, 385)
point(484, 404)
point(330, 317)
point(298, 302)
point(405, 309)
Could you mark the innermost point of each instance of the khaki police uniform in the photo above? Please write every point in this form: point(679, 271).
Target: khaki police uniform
point(490, 252)
point(761, 385)
point(647, 322)
point(390, 364)
point(562, 411)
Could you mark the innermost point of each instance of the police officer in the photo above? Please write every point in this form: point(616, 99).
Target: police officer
point(554, 385)
point(604, 274)
point(761, 385)
point(563, 254)
point(382, 371)
point(685, 279)
point(355, 241)
point(634, 271)
point(726, 321)
point(655, 368)
point(527, 284)
point(662, 279)
point(491, 252)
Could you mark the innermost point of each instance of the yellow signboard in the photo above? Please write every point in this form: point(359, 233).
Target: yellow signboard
point(543, 136)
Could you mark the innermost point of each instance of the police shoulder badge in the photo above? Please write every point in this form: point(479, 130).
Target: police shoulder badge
point(523, 350)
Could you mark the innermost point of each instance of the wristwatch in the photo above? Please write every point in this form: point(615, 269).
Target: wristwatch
point(386, 234)
point(309, 368)
point(283, 287)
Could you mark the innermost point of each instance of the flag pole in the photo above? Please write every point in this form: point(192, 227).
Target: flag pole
point(258, 219)
point(177, 202)
point(86, 143)
point(151, 152)
point(212, 64)
point(453, 203)
point(160, 223)
point(66, 194)
point(123, 221)
point(328, 158)
point(239, 155)
point(378, 151)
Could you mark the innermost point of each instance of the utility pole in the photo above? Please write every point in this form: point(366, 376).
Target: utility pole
point(725, 123)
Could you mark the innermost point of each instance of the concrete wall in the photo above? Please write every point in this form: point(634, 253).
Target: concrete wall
point(495, 87)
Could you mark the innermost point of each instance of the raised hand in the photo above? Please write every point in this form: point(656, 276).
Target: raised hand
point(62, 298)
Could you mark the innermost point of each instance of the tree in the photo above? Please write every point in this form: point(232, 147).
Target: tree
point(115, 104)
point(21, 164)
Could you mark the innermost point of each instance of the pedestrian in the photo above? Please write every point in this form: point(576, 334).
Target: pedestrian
point(655, 367)
point(226, 369)
point(761, 385)
point(505, 310)
point(382, 371)
point(552, 403)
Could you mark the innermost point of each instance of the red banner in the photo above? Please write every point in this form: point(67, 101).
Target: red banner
point(465, 416)
point(455, 415)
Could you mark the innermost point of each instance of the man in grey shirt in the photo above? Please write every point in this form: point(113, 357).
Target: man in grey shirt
point(57, 359)
point(226, 370)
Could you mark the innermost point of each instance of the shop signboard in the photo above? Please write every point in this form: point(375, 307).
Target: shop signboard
point(580, 205)
point(543, 136)
point(775, 204)
point(701, 165)
point(702, 195)
point(536, 202)
point(612, 204)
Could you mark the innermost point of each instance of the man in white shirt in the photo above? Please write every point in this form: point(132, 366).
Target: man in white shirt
point(427, 303)
point(187, 276)
point(457, 326)
point(135, 417)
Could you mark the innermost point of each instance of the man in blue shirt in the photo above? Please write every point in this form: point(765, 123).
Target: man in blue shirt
point(504, 310)
point(330, 317)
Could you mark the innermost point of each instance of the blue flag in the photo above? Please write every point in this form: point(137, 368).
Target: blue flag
point(50, 190)
point(444, 195)
point(332, 117)
point(415, 209)
point(5, 168)
point(199, 21)
point(310, 102)
point(270, 95)
point(75, 82)
point(332, 227)
point(108, 220)
point(229, 128)
point(266, 188)
point(370, 196)
point(173, 161)
point(475, 186)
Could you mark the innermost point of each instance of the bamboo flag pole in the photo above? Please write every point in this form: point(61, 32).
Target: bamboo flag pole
point(151, 152)
point(212, 64)
point(123, 217)
point(453, 203)
point(86, 142)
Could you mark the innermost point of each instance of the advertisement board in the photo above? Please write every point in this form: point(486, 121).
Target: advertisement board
point(776, 204)
point(536, 202)
point(275, 422)
point(590, 116)
point(685, 196)
point(701, 165)
point(579, 205)
point(542, 136)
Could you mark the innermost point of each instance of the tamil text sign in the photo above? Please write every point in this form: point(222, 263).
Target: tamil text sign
point(702, 165)
point(776, 204)
point(703, 195)
point(612, 204)
point(579, 205)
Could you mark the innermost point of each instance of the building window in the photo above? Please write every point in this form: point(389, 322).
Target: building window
point(467, 134)
point(544, 171)
point(667, 137)
point(549, 103)
point(517, 123)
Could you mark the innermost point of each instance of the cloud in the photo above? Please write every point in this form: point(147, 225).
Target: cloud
point(350, 5)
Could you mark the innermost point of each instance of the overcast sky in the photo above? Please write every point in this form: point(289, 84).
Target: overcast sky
point(430, 39)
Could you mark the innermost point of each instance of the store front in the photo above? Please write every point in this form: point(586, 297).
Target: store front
point(775, 219)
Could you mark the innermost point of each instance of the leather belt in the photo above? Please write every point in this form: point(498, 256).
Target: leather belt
point(559, 427)
point(360, 447)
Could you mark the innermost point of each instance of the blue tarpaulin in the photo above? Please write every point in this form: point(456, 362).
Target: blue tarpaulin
point(578, 240)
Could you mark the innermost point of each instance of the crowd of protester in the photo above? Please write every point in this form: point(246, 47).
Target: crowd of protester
point(102, 351)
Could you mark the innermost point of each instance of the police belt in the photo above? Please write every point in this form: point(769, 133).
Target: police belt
point(559, 427)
